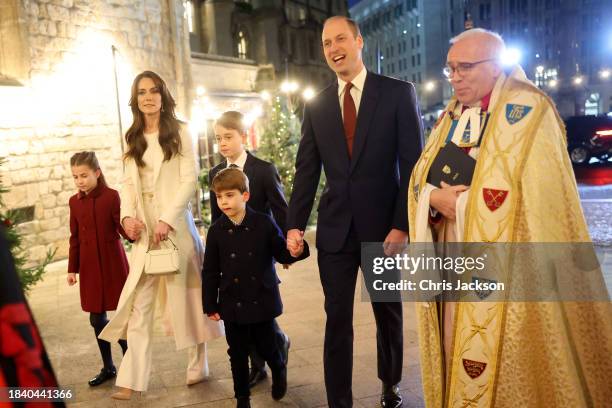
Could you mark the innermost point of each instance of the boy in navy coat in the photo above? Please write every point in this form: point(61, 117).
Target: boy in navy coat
point(266, 196)
point(240, 285)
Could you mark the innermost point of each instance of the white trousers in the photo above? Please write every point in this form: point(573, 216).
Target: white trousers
point(135, 370)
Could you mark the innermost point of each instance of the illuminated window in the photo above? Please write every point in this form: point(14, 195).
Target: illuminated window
point(242, 45)
point(591, 105)
point(545, 77)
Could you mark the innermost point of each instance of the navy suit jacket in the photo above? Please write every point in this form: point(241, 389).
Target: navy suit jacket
point(369, 190)
point(265, 188)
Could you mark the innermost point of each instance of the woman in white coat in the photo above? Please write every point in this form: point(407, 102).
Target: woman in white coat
point(160, 179)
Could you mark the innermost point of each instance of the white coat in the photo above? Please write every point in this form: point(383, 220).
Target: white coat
point(175, 184)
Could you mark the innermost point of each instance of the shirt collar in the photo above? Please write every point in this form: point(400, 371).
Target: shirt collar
point(484, 103)
point(246, 222)
point(240, 161)
point(358, 82)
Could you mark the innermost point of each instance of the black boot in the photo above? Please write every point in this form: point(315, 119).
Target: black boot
point(243, 402)
point(256, 376)
point(390, 396)
point(104, 375)
point(279, 383)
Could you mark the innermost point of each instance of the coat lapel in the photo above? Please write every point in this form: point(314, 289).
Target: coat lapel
point(248, 167)
point(367, 107)
point(332, 108)
point(135, 175)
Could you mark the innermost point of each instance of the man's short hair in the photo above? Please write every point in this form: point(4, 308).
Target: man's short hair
point(230, 179)
point(351, 23)
point(232, 120)
point(496, 43)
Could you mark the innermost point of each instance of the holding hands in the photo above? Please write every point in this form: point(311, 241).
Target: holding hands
point(133, 227)
point(295, 242)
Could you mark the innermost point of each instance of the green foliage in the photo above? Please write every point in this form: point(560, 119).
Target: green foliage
point(10, 218)
point(205, 207)
point(279, 141)
point(279, 144)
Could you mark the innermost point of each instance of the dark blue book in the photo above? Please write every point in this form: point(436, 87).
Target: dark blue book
point(453, 166)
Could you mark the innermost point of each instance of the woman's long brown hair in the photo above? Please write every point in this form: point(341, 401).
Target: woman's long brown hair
point(169, 127)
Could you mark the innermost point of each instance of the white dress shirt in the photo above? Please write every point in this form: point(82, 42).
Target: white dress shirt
point(356, 91)
point(240, 161)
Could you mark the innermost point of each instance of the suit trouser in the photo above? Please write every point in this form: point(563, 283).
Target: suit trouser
point(338, 272)
point(135, 369)
point(239, 338)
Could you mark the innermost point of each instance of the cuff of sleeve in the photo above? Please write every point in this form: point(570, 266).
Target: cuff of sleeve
point(167, 221)
point(434, 216)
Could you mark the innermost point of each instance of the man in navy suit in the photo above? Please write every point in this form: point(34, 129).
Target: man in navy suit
point(365, 131)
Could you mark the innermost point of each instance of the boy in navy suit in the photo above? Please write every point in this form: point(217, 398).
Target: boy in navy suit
point(266, 195)
point(240, 284)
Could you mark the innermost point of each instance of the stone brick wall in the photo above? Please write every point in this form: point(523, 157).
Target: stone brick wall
point(68, 99)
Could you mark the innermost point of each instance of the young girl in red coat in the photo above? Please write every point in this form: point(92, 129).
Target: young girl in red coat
point(96, 251)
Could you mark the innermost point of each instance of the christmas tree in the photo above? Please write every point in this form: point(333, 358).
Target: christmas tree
point(205, 212)
point(9, 219)
point(279, 144)
point(279, 141)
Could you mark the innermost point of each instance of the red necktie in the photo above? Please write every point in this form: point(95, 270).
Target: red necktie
point(350, 117)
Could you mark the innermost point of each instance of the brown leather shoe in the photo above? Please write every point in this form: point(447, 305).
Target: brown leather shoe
point(124, 394)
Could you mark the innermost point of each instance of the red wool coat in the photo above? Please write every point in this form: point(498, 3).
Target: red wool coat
point(96, 252)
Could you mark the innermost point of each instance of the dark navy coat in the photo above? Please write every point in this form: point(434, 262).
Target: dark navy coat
point(265, 189)
point(239, 276)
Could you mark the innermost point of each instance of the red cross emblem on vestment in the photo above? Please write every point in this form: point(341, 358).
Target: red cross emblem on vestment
point(494, 198)
point(473, 368)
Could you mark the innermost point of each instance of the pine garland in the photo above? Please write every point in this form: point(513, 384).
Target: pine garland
point(9, 219)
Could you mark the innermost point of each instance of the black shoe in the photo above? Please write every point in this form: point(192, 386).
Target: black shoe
point(391, 397)
point(285, 349)
point(104, 375)
point(279, 383)
point(243, 402)
point(256, 376)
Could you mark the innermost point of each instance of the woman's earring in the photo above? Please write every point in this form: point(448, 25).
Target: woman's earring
point(162, 108)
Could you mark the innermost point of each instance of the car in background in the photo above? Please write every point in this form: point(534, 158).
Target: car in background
point(589, 137)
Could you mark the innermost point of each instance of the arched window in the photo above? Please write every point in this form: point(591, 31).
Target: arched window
point(242, 45)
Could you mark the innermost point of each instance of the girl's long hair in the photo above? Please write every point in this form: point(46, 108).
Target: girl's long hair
point(169, 127)
point(90, 160)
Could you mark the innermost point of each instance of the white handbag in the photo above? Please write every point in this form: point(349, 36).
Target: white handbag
point(162, 261)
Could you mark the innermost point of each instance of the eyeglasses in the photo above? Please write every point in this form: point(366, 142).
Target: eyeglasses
point(462, 68)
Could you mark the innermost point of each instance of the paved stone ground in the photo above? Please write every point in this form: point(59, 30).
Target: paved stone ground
point(73, 351)
point(74, 354)
point(597, 207)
